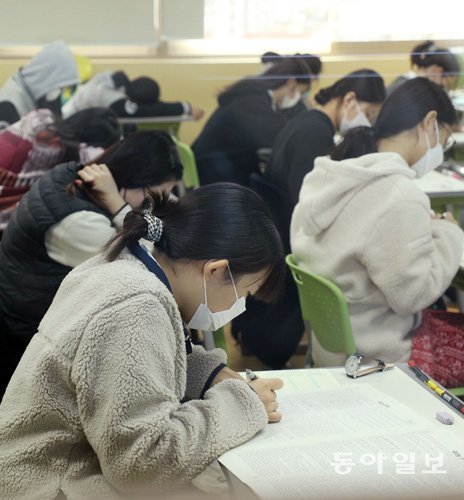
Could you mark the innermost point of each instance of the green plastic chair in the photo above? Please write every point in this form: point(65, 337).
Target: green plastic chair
point(324, 306)
point(190, 178)
point(215, 339)
point(457, 391)
point(171, 128)
point(455, 205)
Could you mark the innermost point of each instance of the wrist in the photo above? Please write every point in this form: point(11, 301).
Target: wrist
point(115, 204)
point(225, 374)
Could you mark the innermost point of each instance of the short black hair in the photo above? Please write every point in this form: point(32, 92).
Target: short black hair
point(97, 127)
point(144, 90)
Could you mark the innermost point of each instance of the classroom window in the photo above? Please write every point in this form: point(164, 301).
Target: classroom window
point(331, 20)
point(335, 27)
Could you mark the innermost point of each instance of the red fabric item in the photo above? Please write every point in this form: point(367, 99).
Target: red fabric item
point(14, 151)
point(438, 347)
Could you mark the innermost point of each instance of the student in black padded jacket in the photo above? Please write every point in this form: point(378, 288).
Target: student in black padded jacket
point(246, 120)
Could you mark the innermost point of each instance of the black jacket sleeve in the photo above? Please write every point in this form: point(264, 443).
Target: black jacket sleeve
point(8, 113)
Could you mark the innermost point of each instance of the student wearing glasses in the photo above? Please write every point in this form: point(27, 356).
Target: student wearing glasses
point(364, 224)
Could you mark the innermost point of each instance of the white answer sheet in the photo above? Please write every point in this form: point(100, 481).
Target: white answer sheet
point(349, 442)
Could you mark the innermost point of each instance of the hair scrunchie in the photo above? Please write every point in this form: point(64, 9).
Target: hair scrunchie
point(155, 226)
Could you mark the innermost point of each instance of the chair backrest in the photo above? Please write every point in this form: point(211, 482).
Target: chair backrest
point(277, 203)
point(187, 157)
point(324, 306)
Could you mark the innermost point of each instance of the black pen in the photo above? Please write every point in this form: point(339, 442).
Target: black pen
point(450, 398)
point(420, 374)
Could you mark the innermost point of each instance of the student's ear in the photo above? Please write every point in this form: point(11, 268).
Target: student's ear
point(291, 85)
point(428, 123)
point(214, 270)
point(348, 99)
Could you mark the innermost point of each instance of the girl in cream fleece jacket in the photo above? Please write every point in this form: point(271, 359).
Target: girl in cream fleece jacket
point(107, 400)
point(365, 225)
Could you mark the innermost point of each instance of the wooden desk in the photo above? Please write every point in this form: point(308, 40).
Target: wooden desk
point(401, 385)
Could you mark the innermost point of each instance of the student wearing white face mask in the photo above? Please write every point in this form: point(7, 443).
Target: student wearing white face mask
point(110, 395)
point(247, 119)
point(352, 101)
point(363, 223)
point(272, 332)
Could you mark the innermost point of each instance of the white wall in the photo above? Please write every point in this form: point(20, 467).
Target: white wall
point(77, 22)
point(181, 19)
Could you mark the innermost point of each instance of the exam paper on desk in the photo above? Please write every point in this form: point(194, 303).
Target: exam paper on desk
point(295, 457)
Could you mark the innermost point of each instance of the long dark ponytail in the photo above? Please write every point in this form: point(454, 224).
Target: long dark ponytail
point(216, 221)
point(367, 84)
point(403, 110)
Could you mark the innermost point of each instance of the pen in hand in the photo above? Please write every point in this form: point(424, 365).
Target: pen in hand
point(265, 389)
point(250, 375)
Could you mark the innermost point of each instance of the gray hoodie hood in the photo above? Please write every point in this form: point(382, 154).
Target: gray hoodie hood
point(54, 67)
point(332, 184)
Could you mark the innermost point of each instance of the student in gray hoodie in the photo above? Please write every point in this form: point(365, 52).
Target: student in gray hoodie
point(38, 84)
point(110, 397)
point(364, 224)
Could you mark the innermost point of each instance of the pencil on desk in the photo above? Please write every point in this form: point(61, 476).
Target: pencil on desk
point(450, 398)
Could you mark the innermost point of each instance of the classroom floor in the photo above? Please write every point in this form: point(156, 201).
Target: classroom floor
point(238, 362)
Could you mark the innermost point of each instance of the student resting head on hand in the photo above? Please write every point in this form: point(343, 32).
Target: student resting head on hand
point(67, 216)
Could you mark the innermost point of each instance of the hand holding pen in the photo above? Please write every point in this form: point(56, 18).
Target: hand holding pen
point(265, 389)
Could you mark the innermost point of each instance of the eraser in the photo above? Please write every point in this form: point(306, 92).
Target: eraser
point(445, 418)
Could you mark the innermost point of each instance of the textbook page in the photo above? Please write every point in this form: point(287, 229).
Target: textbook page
point(301, 380)
point(345, 442)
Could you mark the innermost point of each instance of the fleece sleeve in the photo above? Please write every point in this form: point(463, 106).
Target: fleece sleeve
point(128, 377)
point(201, 365)
point(411, 257)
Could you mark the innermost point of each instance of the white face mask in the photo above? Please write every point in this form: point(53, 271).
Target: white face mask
point(289, 102)
point(208, 321)
point(360, 120)
point(432, 159)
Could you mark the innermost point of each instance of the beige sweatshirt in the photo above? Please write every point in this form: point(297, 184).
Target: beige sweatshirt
point(94, 406)
point(364, 224)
